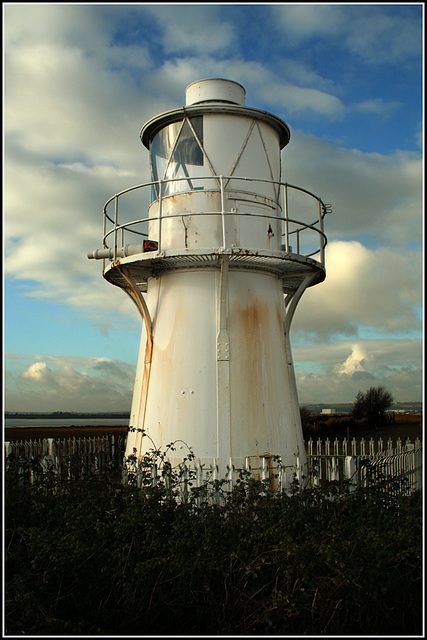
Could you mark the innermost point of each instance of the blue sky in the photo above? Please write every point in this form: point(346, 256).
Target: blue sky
point(80, 80)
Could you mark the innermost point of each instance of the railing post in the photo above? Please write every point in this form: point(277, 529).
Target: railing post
point(215, 478)
point(334, 469)
point(199, 474)
point(336, 447)
point(418, 477)
point(116, 221)
point(154, 477)
point(184, 475)
point(139, 473)
point(264, 469)
point(125, 471)
point(298, 471)
point(350, 472)
point(104, 234)
point(344, 446)
point(160, 215)
point(285, 209)
point(221, 182)
point(104, 225)
point(167, 471)
point(283, 484)
point(321, 247)
point(230, 474)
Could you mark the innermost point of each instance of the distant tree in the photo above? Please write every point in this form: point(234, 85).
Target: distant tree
point(358, 410)
point(372, 405)
point(305, 416)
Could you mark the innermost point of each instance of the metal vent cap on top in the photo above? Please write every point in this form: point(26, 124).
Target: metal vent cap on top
point(215, 90)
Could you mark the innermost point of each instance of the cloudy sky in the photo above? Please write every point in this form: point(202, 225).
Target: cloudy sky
point(79, 83)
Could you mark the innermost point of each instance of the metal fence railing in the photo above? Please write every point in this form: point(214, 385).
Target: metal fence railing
point(394, 465)
point(397, 467)
point(124, 234)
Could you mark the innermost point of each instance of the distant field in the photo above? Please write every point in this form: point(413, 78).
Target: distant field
point(410, 417)
point(405, 426)
point(33, 433)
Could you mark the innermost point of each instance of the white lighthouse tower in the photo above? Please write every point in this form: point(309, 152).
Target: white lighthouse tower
point(216, 268)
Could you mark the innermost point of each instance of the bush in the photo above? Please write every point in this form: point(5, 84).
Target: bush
point(101, 558)
point(334, 426)
point(372, 405)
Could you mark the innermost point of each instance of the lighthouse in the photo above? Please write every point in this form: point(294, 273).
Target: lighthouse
point(216, 261)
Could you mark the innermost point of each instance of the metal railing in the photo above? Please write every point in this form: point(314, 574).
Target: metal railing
point(67, 458)
point(116, 229)
point(397, 467)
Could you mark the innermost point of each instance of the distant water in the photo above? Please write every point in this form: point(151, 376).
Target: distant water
point(64, 422)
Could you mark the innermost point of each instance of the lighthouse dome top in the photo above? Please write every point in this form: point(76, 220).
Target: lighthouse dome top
point(215, 90)
point(213, 96)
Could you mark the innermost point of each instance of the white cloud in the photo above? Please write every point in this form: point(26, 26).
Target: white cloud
point(372, 194)
point(378, 107)
point(358, 360)
point(266, 86)
point(192, 28)
point(304, 21)
point(52, 224)
point(302, 74)
point(61, 105)
point(277, 89)
point(62, 383)
point(337, 371)
point(297, 99)
point(376, 288)
point(38, 372)
point(365, 30)
point(381, 38)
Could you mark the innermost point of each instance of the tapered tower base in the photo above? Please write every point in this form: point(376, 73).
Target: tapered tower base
point(219, 377)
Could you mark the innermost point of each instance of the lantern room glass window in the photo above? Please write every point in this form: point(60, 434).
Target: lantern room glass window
point(176, 155)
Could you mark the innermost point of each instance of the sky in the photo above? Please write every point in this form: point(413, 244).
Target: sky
point(79, 82)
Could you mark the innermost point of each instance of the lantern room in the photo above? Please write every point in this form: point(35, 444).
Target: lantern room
point(192, 148)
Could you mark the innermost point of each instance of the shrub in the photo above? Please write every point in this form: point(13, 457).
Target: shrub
point(372, 405)
point(97, 557)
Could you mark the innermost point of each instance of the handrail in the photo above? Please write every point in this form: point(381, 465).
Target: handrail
point(316, 225)
point(325, 207)
point(304, 225)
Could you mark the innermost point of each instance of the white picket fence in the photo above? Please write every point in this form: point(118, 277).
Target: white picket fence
point(65, 457)
point(397, 466)
point(217, 473)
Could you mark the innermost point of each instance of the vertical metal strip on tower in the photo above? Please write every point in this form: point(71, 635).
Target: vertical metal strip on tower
point(223, 363)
